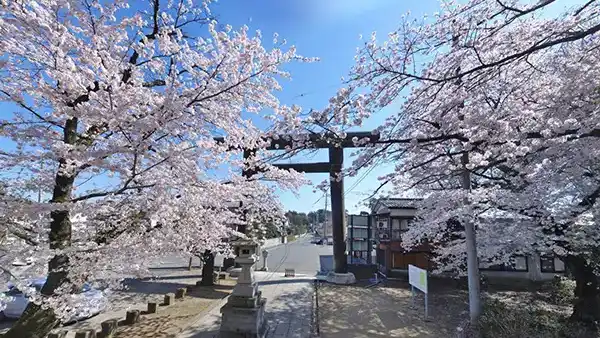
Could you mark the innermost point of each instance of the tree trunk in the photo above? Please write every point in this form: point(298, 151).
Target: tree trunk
point(586, 306)
point(190, 263)
point(208, 268)
point(35, 321)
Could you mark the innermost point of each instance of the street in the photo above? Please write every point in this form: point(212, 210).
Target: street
point(300, 255)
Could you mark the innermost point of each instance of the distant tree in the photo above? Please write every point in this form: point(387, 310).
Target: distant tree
point(272, 231)
point(318, 216)
point(298, 222)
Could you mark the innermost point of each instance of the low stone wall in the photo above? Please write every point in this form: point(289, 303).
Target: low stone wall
point(271, 242)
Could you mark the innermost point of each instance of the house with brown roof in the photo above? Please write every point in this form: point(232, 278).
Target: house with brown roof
point(394, 216)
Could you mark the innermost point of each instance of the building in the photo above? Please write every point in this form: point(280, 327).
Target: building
point(393, 216)
point(359, 238)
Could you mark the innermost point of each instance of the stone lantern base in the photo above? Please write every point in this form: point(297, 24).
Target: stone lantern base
point(243, 316)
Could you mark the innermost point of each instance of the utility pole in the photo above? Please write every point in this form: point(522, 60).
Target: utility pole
point(470, 237)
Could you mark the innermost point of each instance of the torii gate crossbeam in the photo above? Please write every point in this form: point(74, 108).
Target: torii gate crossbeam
point(336, 146)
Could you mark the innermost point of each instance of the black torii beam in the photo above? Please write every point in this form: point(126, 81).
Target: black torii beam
point(334, 167)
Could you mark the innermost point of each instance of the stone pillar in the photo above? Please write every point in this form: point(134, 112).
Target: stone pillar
point(243, 314)
point(265, 253)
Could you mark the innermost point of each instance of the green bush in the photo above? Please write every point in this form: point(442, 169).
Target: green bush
point(561, 290)
point(499, 320)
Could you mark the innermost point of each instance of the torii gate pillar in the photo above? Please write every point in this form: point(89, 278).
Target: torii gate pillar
point(338, 211)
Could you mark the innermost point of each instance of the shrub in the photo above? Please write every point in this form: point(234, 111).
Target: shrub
point(499, 320)
point(561, 290)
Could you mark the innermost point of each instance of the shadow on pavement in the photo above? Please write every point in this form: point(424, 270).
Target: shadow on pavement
point(167, 277)
point(285, 281)
point(288, 313)
point(160, 287)
point(387, 311)
point(175, 268)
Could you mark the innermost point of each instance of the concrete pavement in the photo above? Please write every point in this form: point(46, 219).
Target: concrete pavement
point(288, 309)
point(300, 255)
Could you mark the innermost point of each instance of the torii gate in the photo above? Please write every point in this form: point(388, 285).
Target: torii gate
point(334, 166)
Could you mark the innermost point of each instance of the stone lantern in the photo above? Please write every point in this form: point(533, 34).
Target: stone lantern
point(243, 314)
point(265, 253)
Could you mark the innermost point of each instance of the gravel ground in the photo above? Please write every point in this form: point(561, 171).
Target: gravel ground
point(171, 320)
point(136, 296)
point(382, 312)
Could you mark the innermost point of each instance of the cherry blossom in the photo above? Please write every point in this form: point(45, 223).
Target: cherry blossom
point(515, 90)
point(114, 117)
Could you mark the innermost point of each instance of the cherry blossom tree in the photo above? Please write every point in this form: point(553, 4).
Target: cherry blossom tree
point(113, 116)
point(507, 93)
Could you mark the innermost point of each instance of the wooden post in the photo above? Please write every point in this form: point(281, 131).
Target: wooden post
point(152, 307)
point(132, 317)
point(169, 299)
point(180, 294)
point(109, 328)
point(336, 160)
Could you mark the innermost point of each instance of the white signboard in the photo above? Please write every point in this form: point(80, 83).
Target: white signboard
point(417, 277)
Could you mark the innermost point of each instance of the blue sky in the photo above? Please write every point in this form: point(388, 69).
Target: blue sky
point(328, 29)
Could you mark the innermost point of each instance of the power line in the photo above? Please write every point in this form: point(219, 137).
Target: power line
point(362, 177)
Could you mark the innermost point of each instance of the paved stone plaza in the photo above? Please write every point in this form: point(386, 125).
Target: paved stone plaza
point(288, 309)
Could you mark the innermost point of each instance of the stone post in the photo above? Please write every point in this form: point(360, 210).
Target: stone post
point(109, 328)
point(152, 307)
point(265, 253)
point(132, 317)
point(169, 299)
point(58, 334)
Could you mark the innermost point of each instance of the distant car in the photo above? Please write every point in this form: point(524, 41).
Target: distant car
point(89, 302)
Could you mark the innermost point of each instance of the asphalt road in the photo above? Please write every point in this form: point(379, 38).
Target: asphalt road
point(300, 255)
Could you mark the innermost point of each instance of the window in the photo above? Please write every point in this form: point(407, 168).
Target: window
point(396, 228)
point(551, 264)
point(404, 224)
point(518, 263)
point(358, 233)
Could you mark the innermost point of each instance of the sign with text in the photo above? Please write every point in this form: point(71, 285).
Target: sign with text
point(417, 277)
